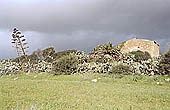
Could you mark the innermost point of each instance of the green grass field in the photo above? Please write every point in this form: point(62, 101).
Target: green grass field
point(77, 92)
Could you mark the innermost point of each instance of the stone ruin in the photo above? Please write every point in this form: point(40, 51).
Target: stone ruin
point(135, 44)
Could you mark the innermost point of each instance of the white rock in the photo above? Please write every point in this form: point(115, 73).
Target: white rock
point(167, 79)
point(15, 78)
point(94, 80)
point(159, 83)
point(152, 73)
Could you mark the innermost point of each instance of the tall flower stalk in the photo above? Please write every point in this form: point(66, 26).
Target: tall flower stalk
point(19, 42)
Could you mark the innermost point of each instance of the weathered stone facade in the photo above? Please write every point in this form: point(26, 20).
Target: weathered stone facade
point(135, 44)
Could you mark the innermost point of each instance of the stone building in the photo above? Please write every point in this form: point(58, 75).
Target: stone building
point(135, 44)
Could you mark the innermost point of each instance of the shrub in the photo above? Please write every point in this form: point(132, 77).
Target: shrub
point(33, 59)
point(108, 47)
point(66, 64)
point(119, 46)
point(48, 53)
point(63, 53)
point(104, 53)
point(164, 65)
point(141, 56)
point(121, 69)
point(19, 59)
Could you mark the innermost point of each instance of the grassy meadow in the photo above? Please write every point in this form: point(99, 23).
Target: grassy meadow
point(84, 92)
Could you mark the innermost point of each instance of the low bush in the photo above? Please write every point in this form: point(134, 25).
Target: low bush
point(48, 52)
point(141, 56)
point(119, 46)
point(104, 53)
point(66, 65)
point(121, 69)
point(60, 54)
point(19, 59)
point(33, 59)
point(164, 65)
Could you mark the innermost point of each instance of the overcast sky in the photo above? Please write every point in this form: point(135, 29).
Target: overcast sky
point(82, 24)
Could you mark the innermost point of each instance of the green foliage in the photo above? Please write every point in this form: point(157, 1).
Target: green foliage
point(108, 46)
point(104, 53)
point(119, 46)
point(141, 56)
point(164, 65)
point(33, 59)
point(63, 53)
point(121, 69)
point(105, 48)
point(48, 53)
point(20, 60)
point(65, 65)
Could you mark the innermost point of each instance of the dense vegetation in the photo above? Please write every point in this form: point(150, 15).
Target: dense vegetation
point(141, 56)
point(66, 64)
point(104, 58)
point(165, 63)
point(121, 69)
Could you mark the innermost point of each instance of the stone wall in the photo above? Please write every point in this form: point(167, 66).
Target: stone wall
point(141, 44)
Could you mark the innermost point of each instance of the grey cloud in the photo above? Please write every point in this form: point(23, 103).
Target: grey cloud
point(128, 16)
point(6, 49)
point(82, 24)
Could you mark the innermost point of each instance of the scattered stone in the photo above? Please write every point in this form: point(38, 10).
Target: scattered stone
point(16, 78)
point(159, 83)
point(94, 80)
point(168, 79)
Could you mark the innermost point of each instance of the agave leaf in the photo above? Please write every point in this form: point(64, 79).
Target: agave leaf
point(23, 40)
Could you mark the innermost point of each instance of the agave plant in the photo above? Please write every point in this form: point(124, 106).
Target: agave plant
point(19, 42)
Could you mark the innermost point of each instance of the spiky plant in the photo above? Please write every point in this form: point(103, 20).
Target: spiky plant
point(19, 42)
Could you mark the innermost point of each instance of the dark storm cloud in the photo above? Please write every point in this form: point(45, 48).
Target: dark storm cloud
point(128, 16)
point(82, 24)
